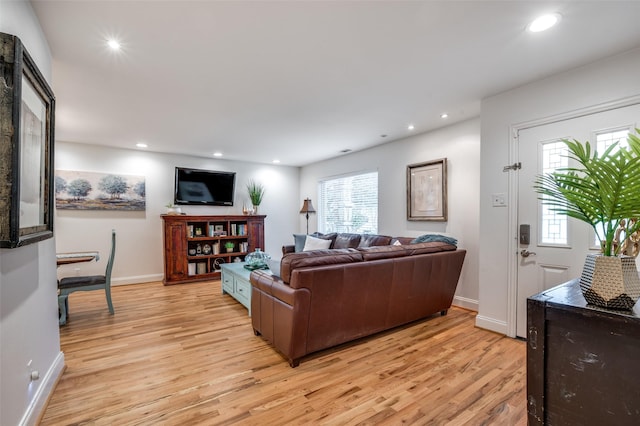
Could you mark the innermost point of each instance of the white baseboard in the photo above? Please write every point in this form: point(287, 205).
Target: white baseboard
point(491, 324)
point(466, 303)
point(38, 404)
point(139, 279)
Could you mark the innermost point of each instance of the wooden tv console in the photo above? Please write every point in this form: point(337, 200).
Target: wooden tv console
point(194, 246)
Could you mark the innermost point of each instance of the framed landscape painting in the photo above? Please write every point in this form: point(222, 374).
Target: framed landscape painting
point(427, 191)
point(76, 190)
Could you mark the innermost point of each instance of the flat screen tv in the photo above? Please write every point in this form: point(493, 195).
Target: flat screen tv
point(204, 187)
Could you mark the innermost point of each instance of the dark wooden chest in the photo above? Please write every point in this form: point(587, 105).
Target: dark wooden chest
point(583, 362)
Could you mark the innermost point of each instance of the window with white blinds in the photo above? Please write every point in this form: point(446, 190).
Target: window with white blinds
point(349, 204)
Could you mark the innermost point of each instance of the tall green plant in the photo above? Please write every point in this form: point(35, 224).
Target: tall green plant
point(256, 192)
point(604, 191)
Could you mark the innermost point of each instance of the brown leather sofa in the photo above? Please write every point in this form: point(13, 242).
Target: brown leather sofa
point(327, 297)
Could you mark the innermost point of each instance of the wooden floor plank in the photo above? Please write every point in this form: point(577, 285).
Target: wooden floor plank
point(186, 355)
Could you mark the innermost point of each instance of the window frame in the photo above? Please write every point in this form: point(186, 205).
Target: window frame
point(322, 214)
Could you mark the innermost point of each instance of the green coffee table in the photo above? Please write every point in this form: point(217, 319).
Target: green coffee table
point(236, 283)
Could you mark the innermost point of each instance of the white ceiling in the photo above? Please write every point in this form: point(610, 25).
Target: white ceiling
point(301, 81)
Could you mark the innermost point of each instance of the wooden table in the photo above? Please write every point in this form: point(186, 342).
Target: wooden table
point(76, 257)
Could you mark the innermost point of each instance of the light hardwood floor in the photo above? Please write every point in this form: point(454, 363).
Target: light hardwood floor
point(186, 355)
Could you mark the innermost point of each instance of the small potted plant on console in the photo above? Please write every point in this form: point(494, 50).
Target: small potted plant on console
point(256, 192)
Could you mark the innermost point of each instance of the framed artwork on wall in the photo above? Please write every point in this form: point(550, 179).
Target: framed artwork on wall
point(79, 190)
point(427, 191)
point(27, 109)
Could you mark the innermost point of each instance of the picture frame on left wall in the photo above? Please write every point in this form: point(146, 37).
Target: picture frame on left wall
point(27, 111)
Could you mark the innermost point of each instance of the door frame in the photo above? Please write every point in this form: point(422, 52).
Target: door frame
point(513, 195)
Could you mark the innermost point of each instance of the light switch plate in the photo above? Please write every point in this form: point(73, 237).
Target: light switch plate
point(499, 199)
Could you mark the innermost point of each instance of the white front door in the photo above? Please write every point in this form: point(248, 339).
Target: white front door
point(557, 245)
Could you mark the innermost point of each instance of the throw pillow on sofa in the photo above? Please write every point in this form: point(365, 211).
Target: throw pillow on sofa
point(313, 243)
point(299, 240)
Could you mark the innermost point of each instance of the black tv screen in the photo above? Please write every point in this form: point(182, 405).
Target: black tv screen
point(204, 187)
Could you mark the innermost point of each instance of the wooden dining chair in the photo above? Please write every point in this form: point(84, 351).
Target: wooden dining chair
point(68, 285)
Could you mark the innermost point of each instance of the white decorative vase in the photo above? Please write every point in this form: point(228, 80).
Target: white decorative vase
point(610, 281)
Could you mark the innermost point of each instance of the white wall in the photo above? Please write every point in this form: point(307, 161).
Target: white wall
point(28, 303)
point(598, 83)
point(139, 254)
point(460, 144)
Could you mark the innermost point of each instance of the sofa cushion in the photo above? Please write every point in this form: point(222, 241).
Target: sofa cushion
point(371, 240)
point(430, 247)
point(401, 240)
point(382, 252)
point(345, 240)
point(392, 251)
point(313, 243)
point(292, 261)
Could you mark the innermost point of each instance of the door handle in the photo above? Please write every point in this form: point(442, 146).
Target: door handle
point(527, 253)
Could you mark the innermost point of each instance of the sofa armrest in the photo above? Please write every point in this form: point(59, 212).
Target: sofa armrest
point(288, 249)
point(273, 286)
point(280, 314)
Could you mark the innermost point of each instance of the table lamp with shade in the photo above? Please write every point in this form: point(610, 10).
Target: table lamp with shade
point(307, 208)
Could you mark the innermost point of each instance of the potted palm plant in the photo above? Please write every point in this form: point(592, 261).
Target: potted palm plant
point(603, 191)
point(256, 192)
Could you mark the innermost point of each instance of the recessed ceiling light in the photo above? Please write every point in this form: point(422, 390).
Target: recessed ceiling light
point(410, 127)
point(113, 44)
point(141, 145)
point(544, 22)
point(444, 115)
point(217, 154)
point(276, 161)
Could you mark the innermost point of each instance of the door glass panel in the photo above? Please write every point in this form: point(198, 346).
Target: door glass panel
point(603, 141)
point(553, 226)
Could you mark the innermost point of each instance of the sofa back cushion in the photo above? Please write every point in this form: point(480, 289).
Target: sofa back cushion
point(371, 240)
point(390, 252)
point(431, 247)
point(345, 240)
point(401, 240)
point(293, 261)
point(382, 252)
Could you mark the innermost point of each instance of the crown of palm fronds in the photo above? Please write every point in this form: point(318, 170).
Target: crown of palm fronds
point(603, 192)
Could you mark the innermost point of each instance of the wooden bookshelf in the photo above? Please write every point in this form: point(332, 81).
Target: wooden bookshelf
point(194, 246)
